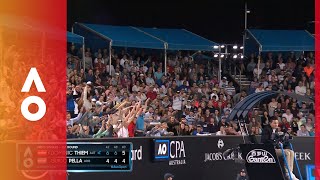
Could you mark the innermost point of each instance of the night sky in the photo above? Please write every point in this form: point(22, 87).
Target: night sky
point(220, 21)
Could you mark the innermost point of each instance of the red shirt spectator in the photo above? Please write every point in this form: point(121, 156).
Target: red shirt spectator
point(131, 128)
point(151, 94)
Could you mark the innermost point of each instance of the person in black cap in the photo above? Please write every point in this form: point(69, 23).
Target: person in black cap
point(242, 175)
point(168, 176)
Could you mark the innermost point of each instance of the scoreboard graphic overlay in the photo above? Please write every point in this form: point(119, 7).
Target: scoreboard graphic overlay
point(81, 156)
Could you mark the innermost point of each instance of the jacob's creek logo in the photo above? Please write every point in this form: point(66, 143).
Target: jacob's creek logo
point(219, 156)
point(172, 151)
point(260, 156)
point(220, 144)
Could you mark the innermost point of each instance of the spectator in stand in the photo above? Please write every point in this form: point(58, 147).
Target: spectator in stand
point(309, 124)
point(222, 131)
point(260, 88)
point(187, 94)
point(257, 71)
point(284, 125)
point(288, 115)
point(300, 89)
point(223, 83)
point(303, 131)
point(308, 70)
point(88, 61)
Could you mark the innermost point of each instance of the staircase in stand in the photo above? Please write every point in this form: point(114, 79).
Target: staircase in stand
point(242, 80)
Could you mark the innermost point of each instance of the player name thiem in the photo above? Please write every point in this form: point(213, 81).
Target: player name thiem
point(77, 153)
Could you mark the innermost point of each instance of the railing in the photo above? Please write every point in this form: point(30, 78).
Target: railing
point(236, 70)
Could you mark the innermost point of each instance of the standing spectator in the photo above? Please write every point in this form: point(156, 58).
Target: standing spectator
point(308, 70)
point(88, 61)
point(257, 72)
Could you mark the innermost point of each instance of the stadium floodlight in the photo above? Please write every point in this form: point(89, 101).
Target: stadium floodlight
point(215, 47)
point(241, 47)
point(235, 56)
point(235, 47)
point(216, 55)
point(242, 56)
point(222, 46)
point(222, 55)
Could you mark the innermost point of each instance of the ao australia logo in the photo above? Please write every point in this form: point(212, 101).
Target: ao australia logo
point(260, 156)
point(172, 151)
point(220, 144)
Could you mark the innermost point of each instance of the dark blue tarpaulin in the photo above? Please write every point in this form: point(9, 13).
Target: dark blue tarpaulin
point(153, 38)
point(74, 38)
point(121, 36)
point(181, 39)
point(278, 40)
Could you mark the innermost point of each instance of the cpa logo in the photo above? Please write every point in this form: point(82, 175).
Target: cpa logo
point(220, 144)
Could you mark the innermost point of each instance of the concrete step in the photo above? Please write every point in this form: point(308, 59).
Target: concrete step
point(238, 76)
point(242, 79)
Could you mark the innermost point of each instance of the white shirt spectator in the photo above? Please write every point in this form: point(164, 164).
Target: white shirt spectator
point(301, 90)
point(259, 90)
point(257, 72)
point(289, 117)
point(177, 103)
point(123, 132)
point(135, 88)
point(145, 69)
point(280, 77)
point(141, 97)
point(223, 83)
point(122, 61)
point(150, 81)
point(96, 60)
point(112, 69)
point(214, 94)
point(282, 65)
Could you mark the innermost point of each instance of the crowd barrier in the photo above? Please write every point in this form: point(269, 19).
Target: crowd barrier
point(198, 158)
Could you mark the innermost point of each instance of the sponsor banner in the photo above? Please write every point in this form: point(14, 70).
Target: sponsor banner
point(182, 156)
point(260, 156)
point(169, 150)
